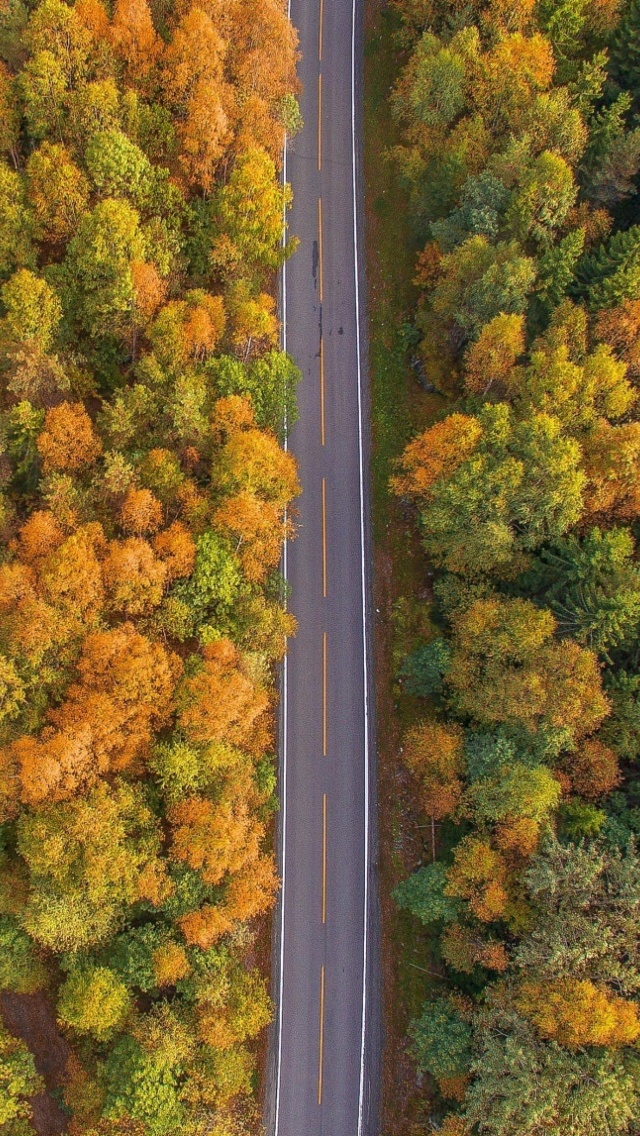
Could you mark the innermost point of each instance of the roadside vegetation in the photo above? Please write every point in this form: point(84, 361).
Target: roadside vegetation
point(142, 512)
point(518, 694)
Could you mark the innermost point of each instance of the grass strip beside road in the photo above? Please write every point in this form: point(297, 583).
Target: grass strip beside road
point(400, 408)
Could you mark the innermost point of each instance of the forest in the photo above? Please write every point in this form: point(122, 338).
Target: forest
point(519, 150)
point(145, 497)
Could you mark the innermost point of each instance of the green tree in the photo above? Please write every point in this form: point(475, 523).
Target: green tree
point(88, 859)
point(119, 168)
point(556, 267)
point(16, 224)
point(270, 381)
point(523, 1084)
point(506, 667)
point(20, 967)
point(611, 274)
point(249, 211)
point(517, 791)
point(98, 266)
point(480, 281)
point(437, 89)
point(625, 52)
point(592, 585)
point(423, 894)
point(519, 488)
point(441, 1040)
point(32, 313)
point(94, 1001)
point(18, 1080)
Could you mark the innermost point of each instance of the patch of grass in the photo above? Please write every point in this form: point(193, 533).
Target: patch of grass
point(400, 408)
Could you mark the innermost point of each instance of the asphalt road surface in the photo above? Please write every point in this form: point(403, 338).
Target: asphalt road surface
point(326, 1034)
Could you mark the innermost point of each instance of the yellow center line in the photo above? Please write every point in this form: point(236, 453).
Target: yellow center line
point(322, 437)
point(324, 857)
point(320, 30)
point(320, 247)
point(320, 121)
point(324, 538)
point(321, 1040)
point(324, 694)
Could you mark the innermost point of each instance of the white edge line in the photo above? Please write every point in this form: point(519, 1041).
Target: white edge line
point(365, 667)
point(285, 691)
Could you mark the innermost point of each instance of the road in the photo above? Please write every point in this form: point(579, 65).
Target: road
point(326, 1034)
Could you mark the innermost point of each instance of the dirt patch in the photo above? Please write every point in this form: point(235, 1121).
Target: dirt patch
point(30, 1017)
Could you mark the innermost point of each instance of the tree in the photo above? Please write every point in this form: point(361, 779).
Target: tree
point(425, 895)
point(88, 860)
point(118, 168)
point(57, 190)
point(511, 73)
point(254, 326)
point(441, 1040)
point(518, 792)
point(584, 898)
point(540, 203)
point(195, 85)
point(134, 38)
point(99, 260)
point(593, 769)
point(611, 274)
point(68, 441)
point(134, 577)
point(21, 970)
point(270, 382)
point(143, 1084)
point(620, 328)
point(612, 492)
point(521, 484)
point(125, 691)
point(522, 1083)
point(175, 547)
point(557, 265)
point(44, 89)
point(592, 586)
point(422, 671)
point(32, 313)
point(436, 89)
point(577, 1013)
point(220, 701)
point(249, 211)
point(506, 667)
point(232, 1003)
point(141, 512)
point(579, 394)
point(436, 453)
point(18, 1080)
point(625, 54)
point(478, 875)
point(480, 281)
point(493, 356)
point(16, 224)
point(93, 1001)
point(433, 753)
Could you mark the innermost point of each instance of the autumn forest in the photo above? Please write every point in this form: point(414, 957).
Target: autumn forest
point(143, 507)
point(519, 154)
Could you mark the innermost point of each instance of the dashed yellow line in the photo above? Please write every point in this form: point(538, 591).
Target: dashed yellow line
point(320, 279)
point(324, 858)
point(324, 538)
point(324, 694)
point(320, 121)
point(321, 1039)
point(322, 431)
point(320, 29)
